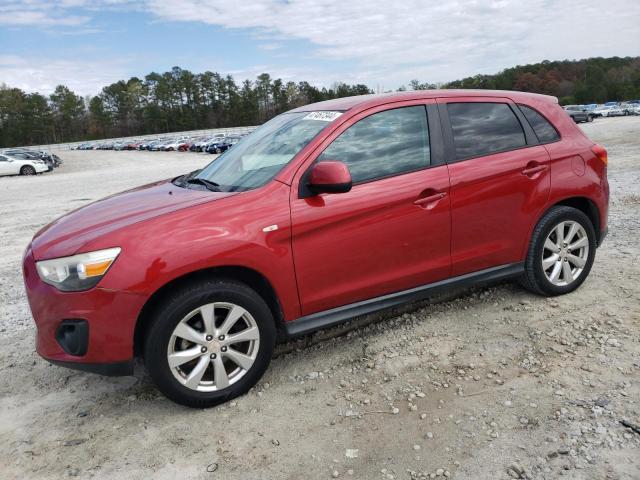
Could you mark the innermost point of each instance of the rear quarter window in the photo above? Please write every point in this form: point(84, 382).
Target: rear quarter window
point(544, 130)
point(483, 128)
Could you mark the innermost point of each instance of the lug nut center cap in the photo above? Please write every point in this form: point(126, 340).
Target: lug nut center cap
point(214, 346)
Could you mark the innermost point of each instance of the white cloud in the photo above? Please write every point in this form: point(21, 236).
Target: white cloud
point(43, 75)
point(270, 46)
point(380, 44)
point(435, 41)
point(56, 12)
point(39, 18)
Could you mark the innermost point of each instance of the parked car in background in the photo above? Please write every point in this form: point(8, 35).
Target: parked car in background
point(184, 145)
point(635, 108)
point(52, 161)
point(629, 108)
point(219, 146)
point(578, 113)
point(213, 140)
point(612, 111)
point(199, 143)
point(173, 145)
point(311, 220)
point(233, 140)
point(14, 165)
point(21, 154)
point(159, 145)
point(57, 161)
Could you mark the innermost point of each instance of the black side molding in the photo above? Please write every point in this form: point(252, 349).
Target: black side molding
point(116, 369)
point(603, 235)
point(335, 316)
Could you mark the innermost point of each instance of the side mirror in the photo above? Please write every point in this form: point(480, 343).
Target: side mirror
point(330, 177)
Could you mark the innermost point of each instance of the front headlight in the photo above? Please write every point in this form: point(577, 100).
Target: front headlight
point(79, 272)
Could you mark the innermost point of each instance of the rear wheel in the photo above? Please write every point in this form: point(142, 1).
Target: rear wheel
point(27, 170)
point(561, 254)
point(209, 343)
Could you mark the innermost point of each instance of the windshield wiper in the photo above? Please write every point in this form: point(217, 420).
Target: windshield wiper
point(211, 186)
point(181, 181)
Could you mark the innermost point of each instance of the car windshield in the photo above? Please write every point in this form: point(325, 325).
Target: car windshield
point(258, 157)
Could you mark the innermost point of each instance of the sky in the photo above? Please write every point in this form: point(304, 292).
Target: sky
point(88, 44)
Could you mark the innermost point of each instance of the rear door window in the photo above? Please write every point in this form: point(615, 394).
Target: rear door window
point(545, 132)
point(483, 128)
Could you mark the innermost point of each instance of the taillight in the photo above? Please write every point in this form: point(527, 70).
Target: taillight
point(601, 153)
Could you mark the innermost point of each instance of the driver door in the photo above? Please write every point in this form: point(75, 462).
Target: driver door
point(391, 232)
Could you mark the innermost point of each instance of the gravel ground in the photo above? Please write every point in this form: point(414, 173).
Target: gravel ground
point(488, 383)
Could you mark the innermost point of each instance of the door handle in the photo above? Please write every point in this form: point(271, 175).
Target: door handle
point(530, 171)
point(424, 201)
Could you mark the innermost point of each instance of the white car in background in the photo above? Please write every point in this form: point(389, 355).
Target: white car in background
point(610, 111)
point(631, 108)
point(175, 145)
point(20, 166)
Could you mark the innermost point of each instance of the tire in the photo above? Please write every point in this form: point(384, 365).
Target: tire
point(589, 118)
point(165, 340)
point(536, 278)
point(218, 151)
point(27, 170)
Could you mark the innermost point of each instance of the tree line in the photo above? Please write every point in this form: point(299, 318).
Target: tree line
point(592, 80)
point(173, 101)
point(180, 100)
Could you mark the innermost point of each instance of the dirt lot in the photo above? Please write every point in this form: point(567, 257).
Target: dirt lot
point(495, 383)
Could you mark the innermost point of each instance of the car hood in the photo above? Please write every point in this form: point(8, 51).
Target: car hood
point(69, 233)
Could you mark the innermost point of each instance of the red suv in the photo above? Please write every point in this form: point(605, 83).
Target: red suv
point(325, 212)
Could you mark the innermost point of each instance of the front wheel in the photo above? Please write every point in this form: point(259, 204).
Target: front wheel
point(27, 170)
point(561, 253)
point(209, 343)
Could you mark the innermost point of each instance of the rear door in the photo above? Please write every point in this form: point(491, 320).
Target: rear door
point(500, 180)
point(391, 232)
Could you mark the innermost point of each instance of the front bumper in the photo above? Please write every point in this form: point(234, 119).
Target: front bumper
point(110, 317)
point(115, 369)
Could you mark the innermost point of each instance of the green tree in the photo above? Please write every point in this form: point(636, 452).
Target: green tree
point(181, 100)
point(68, 113)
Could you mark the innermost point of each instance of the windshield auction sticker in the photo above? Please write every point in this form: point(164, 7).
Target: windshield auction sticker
point(323, 116)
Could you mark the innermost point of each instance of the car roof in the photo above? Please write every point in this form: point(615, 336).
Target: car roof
point(368, 101)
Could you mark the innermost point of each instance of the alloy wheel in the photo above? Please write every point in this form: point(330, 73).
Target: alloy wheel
point(565, 253)
point(213, 346)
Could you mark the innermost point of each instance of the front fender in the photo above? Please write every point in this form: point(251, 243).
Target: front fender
point(228, 232)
